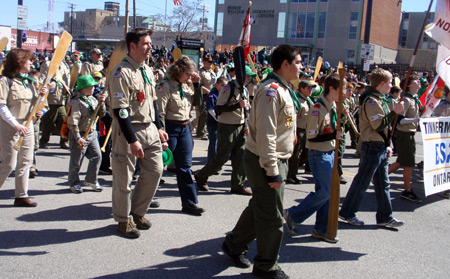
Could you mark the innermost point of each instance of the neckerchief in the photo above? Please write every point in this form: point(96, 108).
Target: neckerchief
point(415, 98)
point(180, 87)
point(24, 79)
point(383, 99)
point(271, 75)
point(333, 113)
point(310, 103)
point(144, 75)
point(90, 106)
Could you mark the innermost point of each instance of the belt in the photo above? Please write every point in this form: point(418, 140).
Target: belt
point(181, 123)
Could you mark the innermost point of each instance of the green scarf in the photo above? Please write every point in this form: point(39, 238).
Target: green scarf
point(333, 113)
point(385, 102)
point(308, 100)
point(91, 107)
point(415, 98)
point(180, 87)
point(271, 75)
point(144, 75)
point(25, 80)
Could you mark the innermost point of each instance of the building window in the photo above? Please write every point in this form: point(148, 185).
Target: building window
point(404, 38)
point(301, 25)
point(221, 1)
point(281, 24)
point(322, 25)
point(353, 26)
point(350, 56)
point(219, 31)
point(304, 1)
point(283, 1)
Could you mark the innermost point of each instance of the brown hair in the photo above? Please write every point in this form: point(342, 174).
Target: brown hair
point(378, 76)
point(180, 66)
point(14, 61)
point(332, 80)
point(134, 36)
point(410, 80)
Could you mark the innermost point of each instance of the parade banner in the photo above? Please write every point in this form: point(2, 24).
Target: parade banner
point(436, 150)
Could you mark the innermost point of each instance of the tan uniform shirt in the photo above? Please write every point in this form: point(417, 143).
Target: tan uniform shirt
point(371, 116)
point(411, 111)
point(207, 78)
point(81, 112)
point(271, 125)
point(17, 98)
point(170, 104)
point(230, 117)
point(319, 123)
point(161, 74)
point(90, 67)
point(127, 89)
point(302, 115)
point(252, 87)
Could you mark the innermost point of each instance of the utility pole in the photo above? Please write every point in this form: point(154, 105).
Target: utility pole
point(367, 27)
point(134, 13)
point(126, 18)
point(19, 32)
point(203, 21)
point(71, 23)
point(165, 24)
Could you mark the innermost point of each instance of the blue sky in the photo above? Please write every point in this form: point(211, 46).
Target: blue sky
point(37, 9)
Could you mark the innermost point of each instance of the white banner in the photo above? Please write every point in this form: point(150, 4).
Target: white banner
point(436, 150)
point(438, 30)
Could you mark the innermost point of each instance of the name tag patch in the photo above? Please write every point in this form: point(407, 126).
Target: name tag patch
point(118, 95)
point(311, 132)
point(375, 117)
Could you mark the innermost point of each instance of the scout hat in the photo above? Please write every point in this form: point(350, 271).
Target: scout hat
point(207, 57)
point(97, 75)
point(96, 50)
point(249, 71)
point(167, 157)
point(85, 81)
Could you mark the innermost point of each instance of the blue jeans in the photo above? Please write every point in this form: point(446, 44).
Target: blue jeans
point(212, 137)
point(321, 164)
point(180, 143)
point(373, 164)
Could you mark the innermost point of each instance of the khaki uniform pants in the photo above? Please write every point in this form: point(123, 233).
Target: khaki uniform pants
point(123, 165)
point(20, 160)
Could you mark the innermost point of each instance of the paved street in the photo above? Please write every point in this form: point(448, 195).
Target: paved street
point(74, 236)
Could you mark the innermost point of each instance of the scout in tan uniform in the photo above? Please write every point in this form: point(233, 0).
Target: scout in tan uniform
point(300, 155)
point(94, 64)
point(17, 94)
point(375, 119)
point(77, 64)
point(136, 136)
point(230, 137)
point(408, 122)
point(56, 101)
point(321, 140)
point(174, 103)
point(83, 106)
point(160, 70)
point(271, 124)
point(207, 81)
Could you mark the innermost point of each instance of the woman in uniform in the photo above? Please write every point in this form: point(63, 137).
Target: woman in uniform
point(174, 105)
point(17, 94)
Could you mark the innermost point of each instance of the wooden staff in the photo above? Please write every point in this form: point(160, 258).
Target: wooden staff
point(249, 58)
point(103, 149)
point(58, 56)
point(335, 183)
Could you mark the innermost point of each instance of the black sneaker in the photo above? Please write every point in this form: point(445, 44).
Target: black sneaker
point(276, 274)
point(33, 173)
point(193, 210)
point(155, 204)
point(238, 260)
point(293, 180)
point(410, 196)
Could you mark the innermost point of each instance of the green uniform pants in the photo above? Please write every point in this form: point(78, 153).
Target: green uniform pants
point(230, 141)
point(262, 218)
point(54, 116)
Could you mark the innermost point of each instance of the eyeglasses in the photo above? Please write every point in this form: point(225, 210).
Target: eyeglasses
point(189, 74)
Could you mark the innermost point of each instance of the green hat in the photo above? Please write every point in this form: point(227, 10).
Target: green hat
point(306, 83)
point(85, 81)
point(249, 71)
point(167, 157)
point(317, 93)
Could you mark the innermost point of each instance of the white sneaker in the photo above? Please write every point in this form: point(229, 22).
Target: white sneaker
point(76, 189)
point(94, 186)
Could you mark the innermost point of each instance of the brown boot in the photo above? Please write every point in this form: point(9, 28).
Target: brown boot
point(128, 229)
point(142, 223)
point(24, 202)
point(201, 183)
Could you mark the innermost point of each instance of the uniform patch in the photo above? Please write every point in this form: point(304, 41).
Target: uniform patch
point(118, 95)
point(288, 121)
point(375, 117)
point(123, 113)
point(118, 75)
point(371, 102)
point(140, 96)
point(52, 91)
point(159, 89)
point(226, 87)
point(315, 112)
point(327, 130)
point(271, 93)
point(311, 132)
point(274, 86)
point(317, 105)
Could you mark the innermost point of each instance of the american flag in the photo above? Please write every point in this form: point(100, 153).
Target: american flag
point(177, 2)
